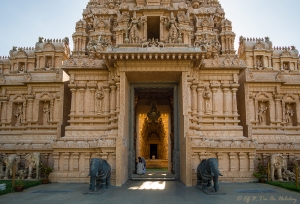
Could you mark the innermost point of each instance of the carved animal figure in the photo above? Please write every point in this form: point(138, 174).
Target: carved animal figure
point(145, 44)
point(100, 172)
point(33, 162)
point(208, 170)
point(10, 161)
point(277, 163)
point(288, 175)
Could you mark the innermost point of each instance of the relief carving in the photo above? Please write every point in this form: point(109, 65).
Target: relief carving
point(99, 100)
point(207, 95)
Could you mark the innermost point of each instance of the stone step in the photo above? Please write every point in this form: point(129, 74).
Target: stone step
point(154, 176)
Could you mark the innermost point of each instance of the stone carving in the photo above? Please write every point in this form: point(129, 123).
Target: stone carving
point(208, 170)
point(19, 115)
point(99, 100)
point(288, 175)
point(133, 29)
point(174, 35)
point(261, 112)
point(289, 113)
point(207, 95)
point(277, 163)
point(100, 172)
point(33, 162)
point(46, 111)
point(22, 173)
point(10, 161)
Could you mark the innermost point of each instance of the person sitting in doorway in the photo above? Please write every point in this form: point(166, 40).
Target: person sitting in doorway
point(140, 166)
point(144, 162)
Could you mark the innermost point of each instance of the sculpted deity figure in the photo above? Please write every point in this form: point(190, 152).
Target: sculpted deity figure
point(46, 111)
point(260, 113)
point(133, 29)
point(207, 94)
point(19, 115)
point(289, 113)
point(99, 98)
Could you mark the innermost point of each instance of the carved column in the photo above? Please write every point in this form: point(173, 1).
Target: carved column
point(66, 161)
point(4, 112)
point(92, 101)
point(9, 116)
point(51, 109)
point(87, 158)
point(283, 111)
point(225, 98)
point(73, 102)
point(242, 160)
point(24, 112)
point(106, 100)
point(118, 97)
point(104, 156)
point(234, 104)
point(189, 83)
point(277, 105)
point(214, 98)
point(232, 158)
point(55, 161)
point(75, 161)
point(194, 99)
point(30, 108)
point(113, 99)
point(81, 100)
point(220, 156)
point(251, 161)
point(200, 100)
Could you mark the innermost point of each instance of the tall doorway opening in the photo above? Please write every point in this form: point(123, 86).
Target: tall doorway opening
point(154, 127)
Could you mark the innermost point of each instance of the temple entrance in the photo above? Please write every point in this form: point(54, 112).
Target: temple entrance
point(154, 110)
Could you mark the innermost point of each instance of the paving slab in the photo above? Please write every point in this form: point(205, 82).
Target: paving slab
point(152, 192)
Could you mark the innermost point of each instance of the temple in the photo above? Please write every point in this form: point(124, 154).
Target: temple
point(156, 79)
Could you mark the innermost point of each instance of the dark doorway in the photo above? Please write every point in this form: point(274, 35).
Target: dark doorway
point(153, 27)
point(153, 151)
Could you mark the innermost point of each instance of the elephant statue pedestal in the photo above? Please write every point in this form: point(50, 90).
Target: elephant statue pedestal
point(208, 171)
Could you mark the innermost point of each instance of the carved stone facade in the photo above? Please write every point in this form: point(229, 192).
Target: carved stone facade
point(214, 103)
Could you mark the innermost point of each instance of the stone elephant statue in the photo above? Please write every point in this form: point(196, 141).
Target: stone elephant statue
point(33, 162)
point(100, 172)
point(208, 170)
point(10, 161)
point(277, 163)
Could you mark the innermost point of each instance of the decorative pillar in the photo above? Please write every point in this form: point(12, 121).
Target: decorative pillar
point(231, 158)
point(220, 156)
point(4, 112)
point(104, 156)
point(202, 156)
point(106, 100)
point(283, 111)
point(251, 157)
point(55, 161)
point(277, 105)
point(112, 99)
point(92, 101)
point(225, 98)
point(118, 97)
point(24, 112)
point(87, 158)
point(75, 161)
point(81, 100)
point(200, 100)
point(189, 83)
point(30, 108)
point(234, 104)
point(214, 98)
point(66, 161)
point(242, 160)
point(194, 99)
point(73, 102)
point(51, 109)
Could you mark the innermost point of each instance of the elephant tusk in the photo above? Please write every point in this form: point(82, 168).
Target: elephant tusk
point(220, 174)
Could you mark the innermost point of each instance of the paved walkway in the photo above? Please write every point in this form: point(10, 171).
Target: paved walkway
point(156, 192)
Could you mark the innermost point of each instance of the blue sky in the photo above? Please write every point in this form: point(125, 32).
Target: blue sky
point(23, 21)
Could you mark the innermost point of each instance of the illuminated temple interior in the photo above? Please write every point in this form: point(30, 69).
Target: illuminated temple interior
point(153, 127)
